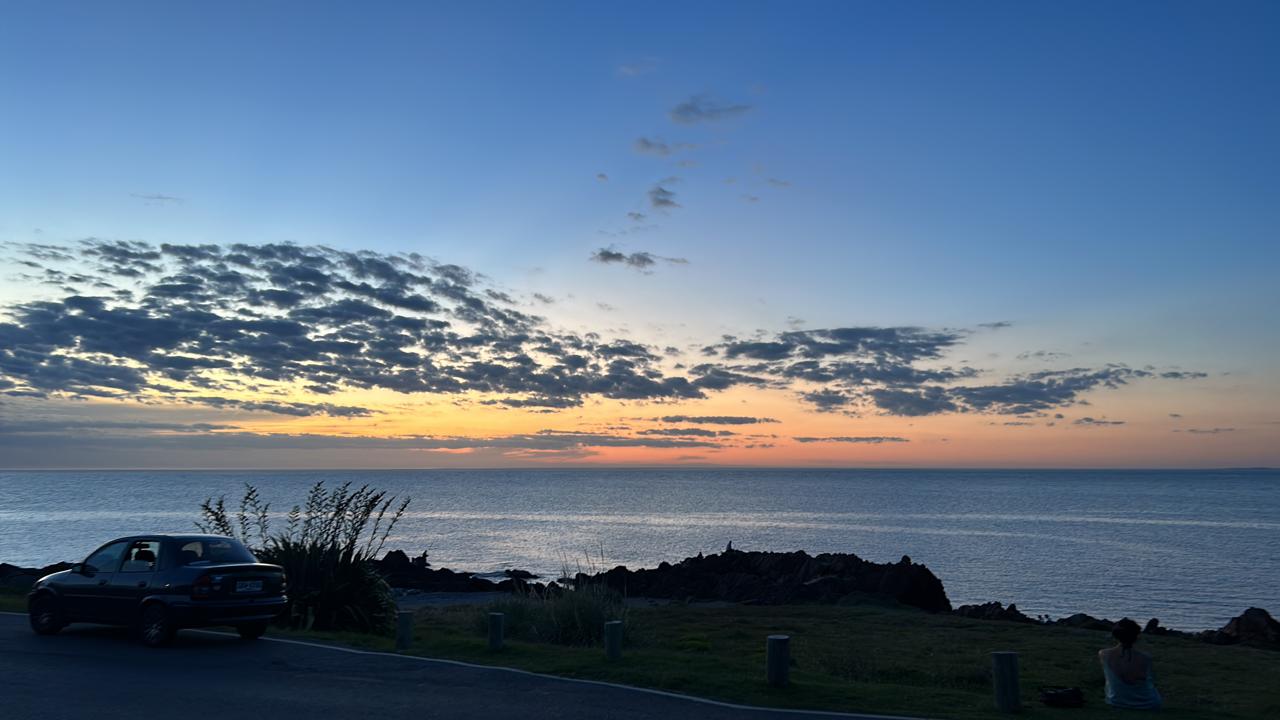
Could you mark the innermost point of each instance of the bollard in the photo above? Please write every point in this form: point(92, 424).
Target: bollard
point(613, 640)
point(777, 659)
point(496, 622)
point(404, 629)
point(1004, 673)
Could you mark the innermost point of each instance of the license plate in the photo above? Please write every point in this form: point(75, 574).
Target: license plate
point(248, 586)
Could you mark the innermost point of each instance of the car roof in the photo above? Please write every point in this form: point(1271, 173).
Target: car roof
point(165, 536)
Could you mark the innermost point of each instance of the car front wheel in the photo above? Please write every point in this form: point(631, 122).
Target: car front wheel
point(46, 618)
point(155, 628)
point(251, 631)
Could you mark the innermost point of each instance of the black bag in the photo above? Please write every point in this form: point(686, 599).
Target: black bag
point(1062, 697)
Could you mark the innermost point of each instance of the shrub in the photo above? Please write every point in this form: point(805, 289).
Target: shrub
point(325, 550)
point(564, 616)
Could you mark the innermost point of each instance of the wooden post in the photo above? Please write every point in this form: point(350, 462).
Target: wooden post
point(777, 659)
point(496, 630)
point(404, 629)
point(1004, 673)
point(613, 640)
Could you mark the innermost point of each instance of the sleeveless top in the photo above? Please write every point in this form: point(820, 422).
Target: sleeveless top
point(1141, 695)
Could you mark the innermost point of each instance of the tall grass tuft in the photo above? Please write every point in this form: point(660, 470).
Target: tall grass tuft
point(325, 550)
point(569, 614)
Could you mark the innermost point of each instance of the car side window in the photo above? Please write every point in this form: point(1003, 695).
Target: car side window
point(141, 556)
point(106, 559)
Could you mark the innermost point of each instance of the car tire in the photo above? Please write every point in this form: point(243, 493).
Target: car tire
point(46, 618)
point(251, 631)
point(155, 629)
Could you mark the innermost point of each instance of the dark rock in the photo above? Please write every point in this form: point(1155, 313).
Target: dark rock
point(774, 578)
point(520, 574)
point(1254, 626)
point(20, 579)
point(993, 611)
point(1087, 622)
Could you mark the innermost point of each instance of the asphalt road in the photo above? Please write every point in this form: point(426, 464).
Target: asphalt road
point(97, 672)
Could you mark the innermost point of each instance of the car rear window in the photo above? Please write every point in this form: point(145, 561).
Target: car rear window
point(213, 552)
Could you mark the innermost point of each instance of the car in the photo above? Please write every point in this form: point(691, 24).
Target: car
point(159, 584)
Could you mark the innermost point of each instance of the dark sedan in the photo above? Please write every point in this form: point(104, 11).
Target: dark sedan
point(161, 583)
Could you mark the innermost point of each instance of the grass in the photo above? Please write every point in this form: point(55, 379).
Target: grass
point(865, 659)
point(856, 659)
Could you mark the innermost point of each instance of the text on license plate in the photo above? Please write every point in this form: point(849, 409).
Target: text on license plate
point(248, 586)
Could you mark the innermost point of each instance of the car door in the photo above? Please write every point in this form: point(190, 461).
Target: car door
point(85, 593)
point(133, 580)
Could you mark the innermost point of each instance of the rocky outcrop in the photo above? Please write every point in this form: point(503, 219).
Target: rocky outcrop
point(773, 578)
point(1254, 627)
point(20, 579)
point(993, 611)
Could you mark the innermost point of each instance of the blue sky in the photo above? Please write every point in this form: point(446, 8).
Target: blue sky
point(1103, 175)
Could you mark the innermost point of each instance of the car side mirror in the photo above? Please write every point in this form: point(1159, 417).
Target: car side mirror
point(78, 568)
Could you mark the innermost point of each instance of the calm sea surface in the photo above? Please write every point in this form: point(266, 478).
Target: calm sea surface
point(1193, 548)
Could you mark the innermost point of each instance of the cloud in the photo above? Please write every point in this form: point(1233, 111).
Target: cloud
point(1210, 431)
point(290, 329)
point(244, 326)
point(601, 177)
point(864, 440)
point(642, 261)
point(704, 108)
point(716, 419)
point(156, 198)
point(779, 183)
point(1045, 355)
point(1094, 422)
point(751, 198)
point(686, 432)
point(639, 67)
point(660, 148)
point(637, 216)
point(998, 325)
point(660, 198)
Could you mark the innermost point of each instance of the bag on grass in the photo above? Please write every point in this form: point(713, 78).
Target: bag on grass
point(1062, 697)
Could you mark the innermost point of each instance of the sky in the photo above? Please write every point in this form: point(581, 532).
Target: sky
point(754, 234)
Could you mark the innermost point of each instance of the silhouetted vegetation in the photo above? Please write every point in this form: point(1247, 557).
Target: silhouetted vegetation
point(572, 616)
point(324, 549)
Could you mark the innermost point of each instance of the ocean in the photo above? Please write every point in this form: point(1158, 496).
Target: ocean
point(1193, 548)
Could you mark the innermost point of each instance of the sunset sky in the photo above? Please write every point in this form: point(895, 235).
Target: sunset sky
point(509, 234)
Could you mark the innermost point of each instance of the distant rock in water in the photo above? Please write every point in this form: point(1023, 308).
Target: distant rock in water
point(775, 578)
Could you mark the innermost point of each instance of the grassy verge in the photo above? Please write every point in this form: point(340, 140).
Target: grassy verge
point(13, 601)
point(865, 659)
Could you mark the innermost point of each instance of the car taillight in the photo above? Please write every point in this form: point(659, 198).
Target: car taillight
point(202, 587)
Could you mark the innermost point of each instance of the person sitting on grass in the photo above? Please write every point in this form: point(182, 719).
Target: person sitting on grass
point(1130, 683)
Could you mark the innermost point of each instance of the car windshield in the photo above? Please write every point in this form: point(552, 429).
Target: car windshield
point(213, 551)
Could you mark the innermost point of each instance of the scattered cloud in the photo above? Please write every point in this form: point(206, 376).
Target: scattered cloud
point(751, 198)
point(602, 177)
point(1094, 422)
point(864, 440)
point(637, 216)
point(717, 419)
point(642, 261)
point(288, 329)
point(660, 198)
point(658, 147)
point(705, 108)
point(1043, 355)
point(639, 67)
point(157, 198)
point(779, 183)
point(1210, 431)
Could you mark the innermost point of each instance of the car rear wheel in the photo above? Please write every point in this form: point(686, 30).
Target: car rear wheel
point(46, 618)
point(154, 627)
point(251, 631)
